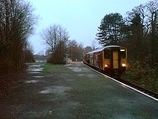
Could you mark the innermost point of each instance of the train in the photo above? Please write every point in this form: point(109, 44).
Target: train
point(111, 59)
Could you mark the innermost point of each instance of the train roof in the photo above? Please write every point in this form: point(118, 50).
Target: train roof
point(100, 49)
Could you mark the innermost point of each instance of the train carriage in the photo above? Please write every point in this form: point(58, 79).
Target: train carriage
point(111, 59)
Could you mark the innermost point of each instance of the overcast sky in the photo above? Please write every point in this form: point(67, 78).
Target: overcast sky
point(80, 17)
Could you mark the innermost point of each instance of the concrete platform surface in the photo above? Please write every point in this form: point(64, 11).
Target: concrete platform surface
point(73, 91)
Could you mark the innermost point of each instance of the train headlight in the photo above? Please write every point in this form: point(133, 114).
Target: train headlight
point(106, 66)
point(123, 65)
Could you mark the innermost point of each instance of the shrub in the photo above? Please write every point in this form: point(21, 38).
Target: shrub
point(142, 75)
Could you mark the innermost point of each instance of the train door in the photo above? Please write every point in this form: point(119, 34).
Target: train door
point(115, 60)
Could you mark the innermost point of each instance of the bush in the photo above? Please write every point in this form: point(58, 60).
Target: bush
point(134, 71)
point(56, 59)
point(142, 75)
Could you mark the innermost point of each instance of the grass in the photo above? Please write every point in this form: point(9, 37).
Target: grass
point(50, 68)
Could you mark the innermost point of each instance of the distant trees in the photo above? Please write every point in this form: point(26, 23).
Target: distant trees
point(74, 50)
point(59, 46)
point(56, 37)
point(28, 53)
point(16, 24)
point(87, 49)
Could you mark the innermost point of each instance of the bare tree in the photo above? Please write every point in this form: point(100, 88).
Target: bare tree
point(80, 52)
point(71, 49)
point(56, 37)
point(16, 24)
point(74, 50)
point(87, 49)
point(53, 35)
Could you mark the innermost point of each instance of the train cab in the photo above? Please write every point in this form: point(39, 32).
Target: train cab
point(115, 60)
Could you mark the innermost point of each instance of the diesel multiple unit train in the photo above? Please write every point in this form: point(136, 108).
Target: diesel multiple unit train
point(111, 60)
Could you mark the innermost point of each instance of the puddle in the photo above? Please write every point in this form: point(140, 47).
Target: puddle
point(75, 69)
point(39, 77)
point(31, 81)
point(55, 89)
point(35, 72)
point(46, 91)
point(34, 69)
point(35, 66)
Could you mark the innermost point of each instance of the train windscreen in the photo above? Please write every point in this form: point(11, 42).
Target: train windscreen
point(107, 54)
point(123, 53)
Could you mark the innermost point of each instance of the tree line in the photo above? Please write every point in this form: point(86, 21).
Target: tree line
point(60, 47)
point(138, 31)
point(16, 24)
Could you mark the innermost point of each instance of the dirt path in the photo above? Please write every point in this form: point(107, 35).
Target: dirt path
point(73, 91)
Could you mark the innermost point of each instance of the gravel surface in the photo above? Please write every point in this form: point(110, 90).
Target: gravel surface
point(73, 91)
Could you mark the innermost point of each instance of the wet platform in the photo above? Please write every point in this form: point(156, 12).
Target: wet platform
point(74, 91)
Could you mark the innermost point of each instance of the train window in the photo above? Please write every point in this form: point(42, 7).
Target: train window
point(123, 53)
point(107, 54)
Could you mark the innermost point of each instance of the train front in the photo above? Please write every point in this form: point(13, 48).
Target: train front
point(115, 60)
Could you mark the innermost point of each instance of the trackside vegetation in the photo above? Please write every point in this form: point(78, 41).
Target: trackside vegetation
point(142, 76)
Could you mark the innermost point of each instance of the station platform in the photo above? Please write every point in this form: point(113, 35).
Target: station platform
point(74, 91)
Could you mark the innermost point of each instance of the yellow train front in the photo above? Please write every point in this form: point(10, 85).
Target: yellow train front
point(112, 59)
